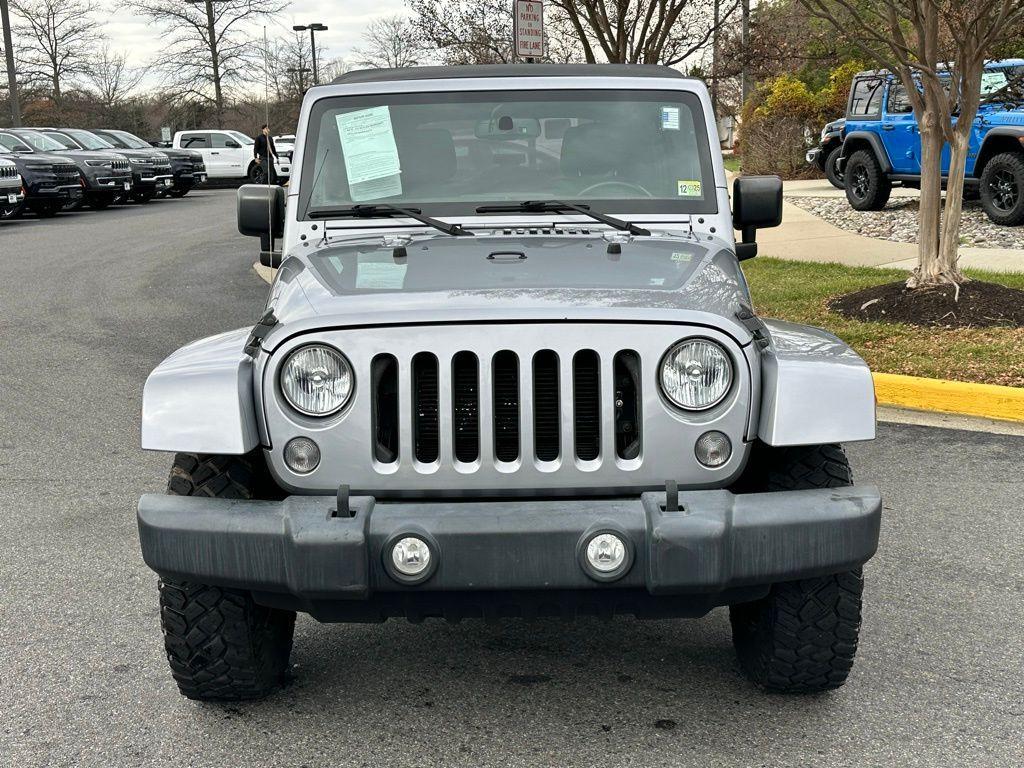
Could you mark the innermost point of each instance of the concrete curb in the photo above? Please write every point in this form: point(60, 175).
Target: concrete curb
point(266, 273)
point(987, 400)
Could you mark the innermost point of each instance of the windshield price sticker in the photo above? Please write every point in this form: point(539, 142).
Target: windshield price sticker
point(368, 142)
point(689, 188)
point(670, 118)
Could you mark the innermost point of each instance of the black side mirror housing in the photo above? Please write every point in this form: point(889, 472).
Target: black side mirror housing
point(756, 204)
point(261, 212)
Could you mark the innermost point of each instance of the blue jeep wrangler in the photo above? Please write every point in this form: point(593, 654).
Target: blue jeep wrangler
point(883, 144)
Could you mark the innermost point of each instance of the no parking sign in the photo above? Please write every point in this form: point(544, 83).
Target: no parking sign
point(529, 28)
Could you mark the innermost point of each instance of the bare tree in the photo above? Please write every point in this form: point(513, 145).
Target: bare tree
point(290, 70)
point(937, 48)
point(465, 31)
point(389, 43)
point(208, 51)
point(56, 39)
point(110, 76)
point(644, 31)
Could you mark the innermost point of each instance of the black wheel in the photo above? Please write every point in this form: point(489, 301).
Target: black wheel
point(1002, 189)
point(143, 196)
point(257, 175)
point(10, 212)
point(100, 201)
point(177, 192)
point(47, 209)
point(801, 637)
point(867, 187)
point(832, 173)
point(221, 645)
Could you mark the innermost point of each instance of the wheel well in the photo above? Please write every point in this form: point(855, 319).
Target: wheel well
point(855, 145)
point(996, 145)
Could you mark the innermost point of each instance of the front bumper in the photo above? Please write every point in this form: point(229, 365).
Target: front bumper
point(715, 543)
point(815, 157)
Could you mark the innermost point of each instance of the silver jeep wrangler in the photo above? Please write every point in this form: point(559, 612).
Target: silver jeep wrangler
point(509, 367)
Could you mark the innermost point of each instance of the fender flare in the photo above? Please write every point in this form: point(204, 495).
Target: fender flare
point(200, 399)
point(874, 141)
point(999, 132)
point(814, 388)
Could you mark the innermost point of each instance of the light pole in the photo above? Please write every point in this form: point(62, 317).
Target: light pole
point(12, 80)
point(313, 29)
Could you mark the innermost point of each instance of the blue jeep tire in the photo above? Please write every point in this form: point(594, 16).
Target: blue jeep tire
point(867, 186)
point(1002, 189)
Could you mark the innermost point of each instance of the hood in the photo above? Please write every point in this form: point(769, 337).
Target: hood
point(492, 277)
point(137, 153)
point(81, 155)
point(1001, 115)
point(184, 154)
point(21, 159)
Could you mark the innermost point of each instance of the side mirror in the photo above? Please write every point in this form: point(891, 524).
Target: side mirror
point(756, 204)
point(229, 144)
point(261, 213)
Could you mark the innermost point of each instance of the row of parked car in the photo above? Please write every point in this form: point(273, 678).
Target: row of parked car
point(48, 170)
point(877, 145)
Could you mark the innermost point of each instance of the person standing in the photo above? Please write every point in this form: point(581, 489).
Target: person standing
point(266, 153)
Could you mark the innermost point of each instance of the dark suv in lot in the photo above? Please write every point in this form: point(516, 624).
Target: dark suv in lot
point(105, 175)
point(826, 155)
point(51, 181)
point(883, 143)
point(184, 169)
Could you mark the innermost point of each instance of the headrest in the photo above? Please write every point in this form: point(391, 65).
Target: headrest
point(427, 154)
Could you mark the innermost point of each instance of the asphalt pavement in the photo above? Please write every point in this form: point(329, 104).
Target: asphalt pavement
point(90, 302)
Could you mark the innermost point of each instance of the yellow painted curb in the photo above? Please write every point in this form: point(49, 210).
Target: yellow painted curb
point(988, 400)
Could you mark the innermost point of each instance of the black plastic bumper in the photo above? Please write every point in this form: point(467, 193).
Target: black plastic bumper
point(716, 542)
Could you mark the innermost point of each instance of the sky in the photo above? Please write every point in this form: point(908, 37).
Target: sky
point(139, 39)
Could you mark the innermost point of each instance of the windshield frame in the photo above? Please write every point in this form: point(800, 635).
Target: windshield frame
point(27, 135)
point(128, 139)
point(623, 90)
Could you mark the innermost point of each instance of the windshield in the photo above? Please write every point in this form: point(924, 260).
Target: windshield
point(13, 144)
point(126, 140)
point(89, 140)
point(41, 142)
point(447, 153)
point(242, 138)
point(64, 140)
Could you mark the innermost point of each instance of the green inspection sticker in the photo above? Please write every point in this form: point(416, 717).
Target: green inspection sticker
point(688, 188)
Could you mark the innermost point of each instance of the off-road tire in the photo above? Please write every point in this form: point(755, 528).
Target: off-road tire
point(835, 178)
point(221, 645)
point(257, 174)
point(99, 202)
point(1002, 189)
point(867, 187)
point(801, 637)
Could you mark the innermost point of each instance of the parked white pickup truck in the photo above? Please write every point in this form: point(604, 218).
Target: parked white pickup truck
point(229, 155)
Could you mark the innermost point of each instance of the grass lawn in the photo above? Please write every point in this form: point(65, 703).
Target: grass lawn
point(732, 163)
point(798, 291)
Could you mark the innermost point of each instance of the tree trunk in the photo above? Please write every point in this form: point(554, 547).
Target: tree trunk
point(930, 213)
point(947, 270)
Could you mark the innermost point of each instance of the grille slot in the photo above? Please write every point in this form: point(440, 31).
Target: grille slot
point(627, 404)
point(426, 411)
point(506, 406)
point(466, 406)
point(384, 415)
point(546, 416)
point(586, 384)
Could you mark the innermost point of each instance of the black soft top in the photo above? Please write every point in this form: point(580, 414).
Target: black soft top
point(508, 70)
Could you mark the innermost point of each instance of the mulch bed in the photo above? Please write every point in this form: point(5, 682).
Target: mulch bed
point(979, 305)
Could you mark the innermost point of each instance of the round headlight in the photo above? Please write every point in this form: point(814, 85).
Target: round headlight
point(696, 374)
point(316, 380)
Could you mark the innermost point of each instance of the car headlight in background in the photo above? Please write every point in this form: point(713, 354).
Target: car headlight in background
point(696, 374)
point(316, 380)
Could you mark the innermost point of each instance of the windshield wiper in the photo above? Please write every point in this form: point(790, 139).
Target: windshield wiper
point(559, 206)
point(386, 210)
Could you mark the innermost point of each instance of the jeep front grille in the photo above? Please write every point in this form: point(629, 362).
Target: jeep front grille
point(542, 371)
point(458, 410)
point(8, 172)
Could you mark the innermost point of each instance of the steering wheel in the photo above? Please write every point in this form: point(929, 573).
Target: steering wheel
point(625, 184)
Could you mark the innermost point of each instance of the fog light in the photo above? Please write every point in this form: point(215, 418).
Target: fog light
point(301, 455)
point(606, 553)
point(713, 449)
point(411, 559)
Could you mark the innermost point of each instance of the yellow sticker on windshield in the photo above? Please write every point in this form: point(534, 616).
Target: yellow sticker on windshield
point(688, 188)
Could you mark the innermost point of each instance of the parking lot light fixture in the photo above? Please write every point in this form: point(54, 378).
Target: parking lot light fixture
point(313, 29)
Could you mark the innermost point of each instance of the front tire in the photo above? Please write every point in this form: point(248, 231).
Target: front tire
point(832, 173)
point(802, 637)
point(1002, 189)
point(221, 645)
point(257, 175)
point(867, 186)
